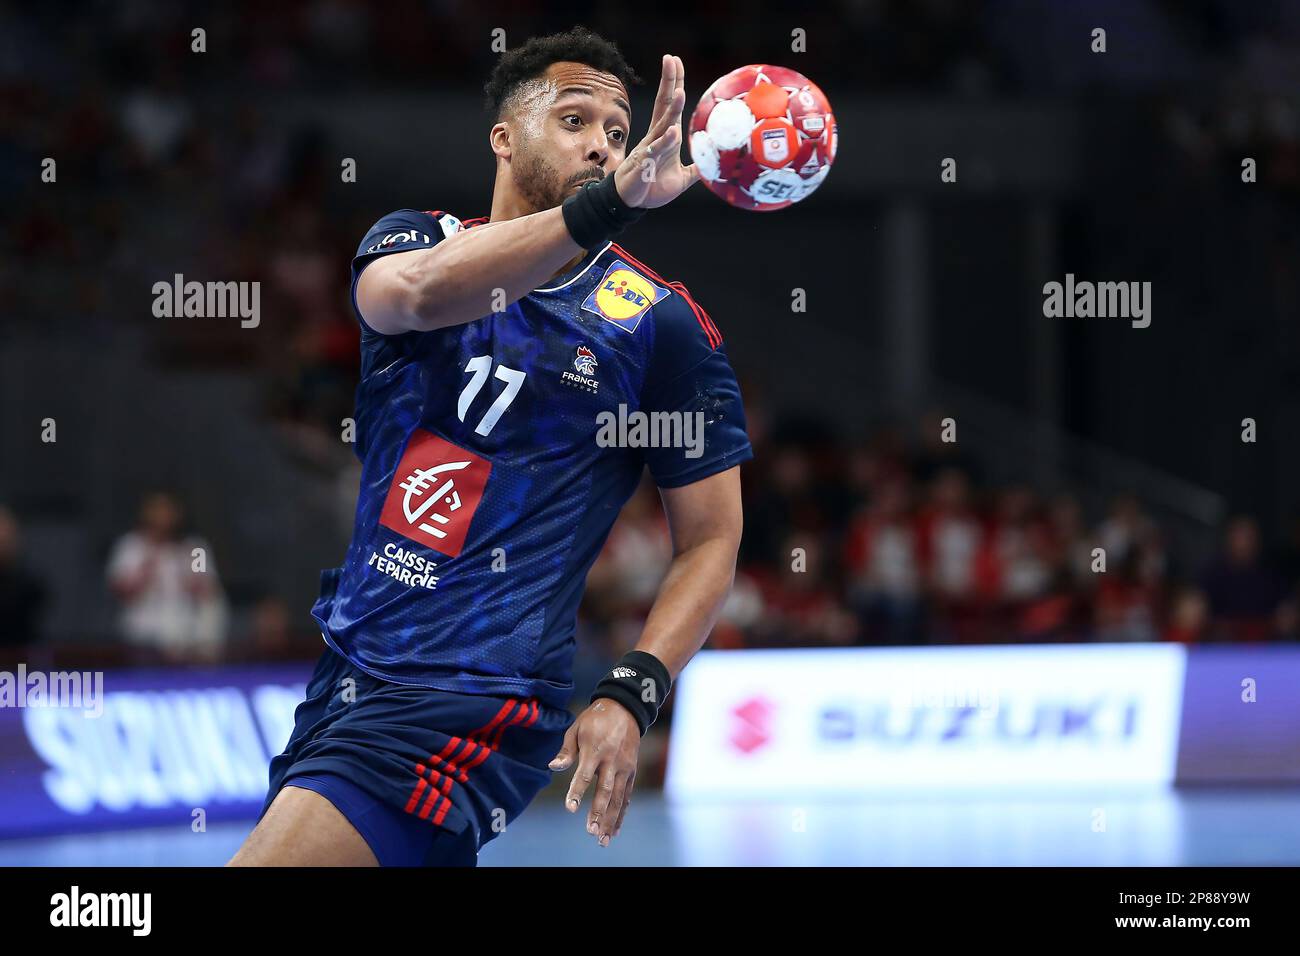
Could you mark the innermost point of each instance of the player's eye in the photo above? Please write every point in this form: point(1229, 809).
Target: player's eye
point(616, 135)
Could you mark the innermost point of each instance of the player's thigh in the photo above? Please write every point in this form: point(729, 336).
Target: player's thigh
point(302, 828)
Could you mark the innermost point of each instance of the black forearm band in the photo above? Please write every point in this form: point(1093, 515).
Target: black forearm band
point(596, 213)
point(639, 682)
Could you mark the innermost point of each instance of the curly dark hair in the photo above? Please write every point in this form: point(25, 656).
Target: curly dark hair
point(527, 62)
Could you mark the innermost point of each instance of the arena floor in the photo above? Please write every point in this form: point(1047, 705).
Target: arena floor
point(1186, 828)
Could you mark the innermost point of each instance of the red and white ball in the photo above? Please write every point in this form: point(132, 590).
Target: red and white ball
point(763, 137)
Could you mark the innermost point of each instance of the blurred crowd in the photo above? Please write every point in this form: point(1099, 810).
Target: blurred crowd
point(886, 542)
point(894, 543)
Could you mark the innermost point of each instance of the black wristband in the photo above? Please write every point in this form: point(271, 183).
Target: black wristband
point(640, 682)
point(596, 213)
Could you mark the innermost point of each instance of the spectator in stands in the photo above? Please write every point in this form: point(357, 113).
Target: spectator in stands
point(741, 614)
point(802, 605)
point(786, 499)
point(172, 602)
point(882, 559)
point(270, 634)
point(1286, 620)
point(1243, 591)
point(1127, 604)
point(869, 465)
point(1018, 561)
point(1123, 529)
point(1053, 615)
point(22, 593)
point(1071, 542)
point(1189, 618)
point(951, 537)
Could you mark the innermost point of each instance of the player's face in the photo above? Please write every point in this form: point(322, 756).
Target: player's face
point(572, 125)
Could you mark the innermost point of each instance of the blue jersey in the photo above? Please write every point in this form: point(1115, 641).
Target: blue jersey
point(496, 456)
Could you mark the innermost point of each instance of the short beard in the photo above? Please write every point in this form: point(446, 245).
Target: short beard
point(538, 182)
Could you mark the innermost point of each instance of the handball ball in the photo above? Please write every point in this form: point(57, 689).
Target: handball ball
point(763, 137)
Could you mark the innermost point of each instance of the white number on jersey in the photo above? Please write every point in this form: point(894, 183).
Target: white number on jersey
point(480, 366)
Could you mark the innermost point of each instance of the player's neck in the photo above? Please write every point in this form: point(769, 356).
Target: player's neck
point(506, 207)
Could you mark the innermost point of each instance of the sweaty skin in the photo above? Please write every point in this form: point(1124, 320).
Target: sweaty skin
point(583, 135)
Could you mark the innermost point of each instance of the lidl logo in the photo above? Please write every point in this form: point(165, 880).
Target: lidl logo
point(623, 295)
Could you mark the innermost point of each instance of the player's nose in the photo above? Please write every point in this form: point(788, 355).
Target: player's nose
point(598, 149)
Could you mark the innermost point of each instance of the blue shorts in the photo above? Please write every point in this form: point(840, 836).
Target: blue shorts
point(427, 777)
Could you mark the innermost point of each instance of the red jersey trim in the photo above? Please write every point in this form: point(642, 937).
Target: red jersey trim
point(702, 317)
point(476, 221)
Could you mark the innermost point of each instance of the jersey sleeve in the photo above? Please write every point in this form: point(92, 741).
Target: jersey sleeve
point(400, 231)
point(689, 374)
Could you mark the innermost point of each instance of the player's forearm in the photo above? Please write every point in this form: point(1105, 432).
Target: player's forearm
point(689, 601)
point(483, 269)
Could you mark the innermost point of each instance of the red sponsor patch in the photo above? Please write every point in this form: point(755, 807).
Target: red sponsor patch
point(435, 492)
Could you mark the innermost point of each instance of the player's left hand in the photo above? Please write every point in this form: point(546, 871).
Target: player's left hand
point(606, 741)
point(652, 174)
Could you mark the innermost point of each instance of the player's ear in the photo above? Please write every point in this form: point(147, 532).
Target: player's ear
point(501, 139)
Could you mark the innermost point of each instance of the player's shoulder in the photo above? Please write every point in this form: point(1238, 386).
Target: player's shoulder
point(678, 317)
point(413, 226)
point(449, 223)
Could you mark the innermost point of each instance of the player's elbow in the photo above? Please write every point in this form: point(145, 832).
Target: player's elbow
point(400, 294)
point(417, 291)
point(718, 546)
point(422, 309)
point(433, 294)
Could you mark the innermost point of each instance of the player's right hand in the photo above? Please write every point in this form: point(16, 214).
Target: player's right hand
point(605, 739)
point(652, 175)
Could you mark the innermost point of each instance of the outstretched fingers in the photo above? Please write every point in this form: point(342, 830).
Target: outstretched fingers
point(668, 104)
point(663, 96)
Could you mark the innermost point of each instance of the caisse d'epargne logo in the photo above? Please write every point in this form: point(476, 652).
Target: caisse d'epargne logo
point(434, 493)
